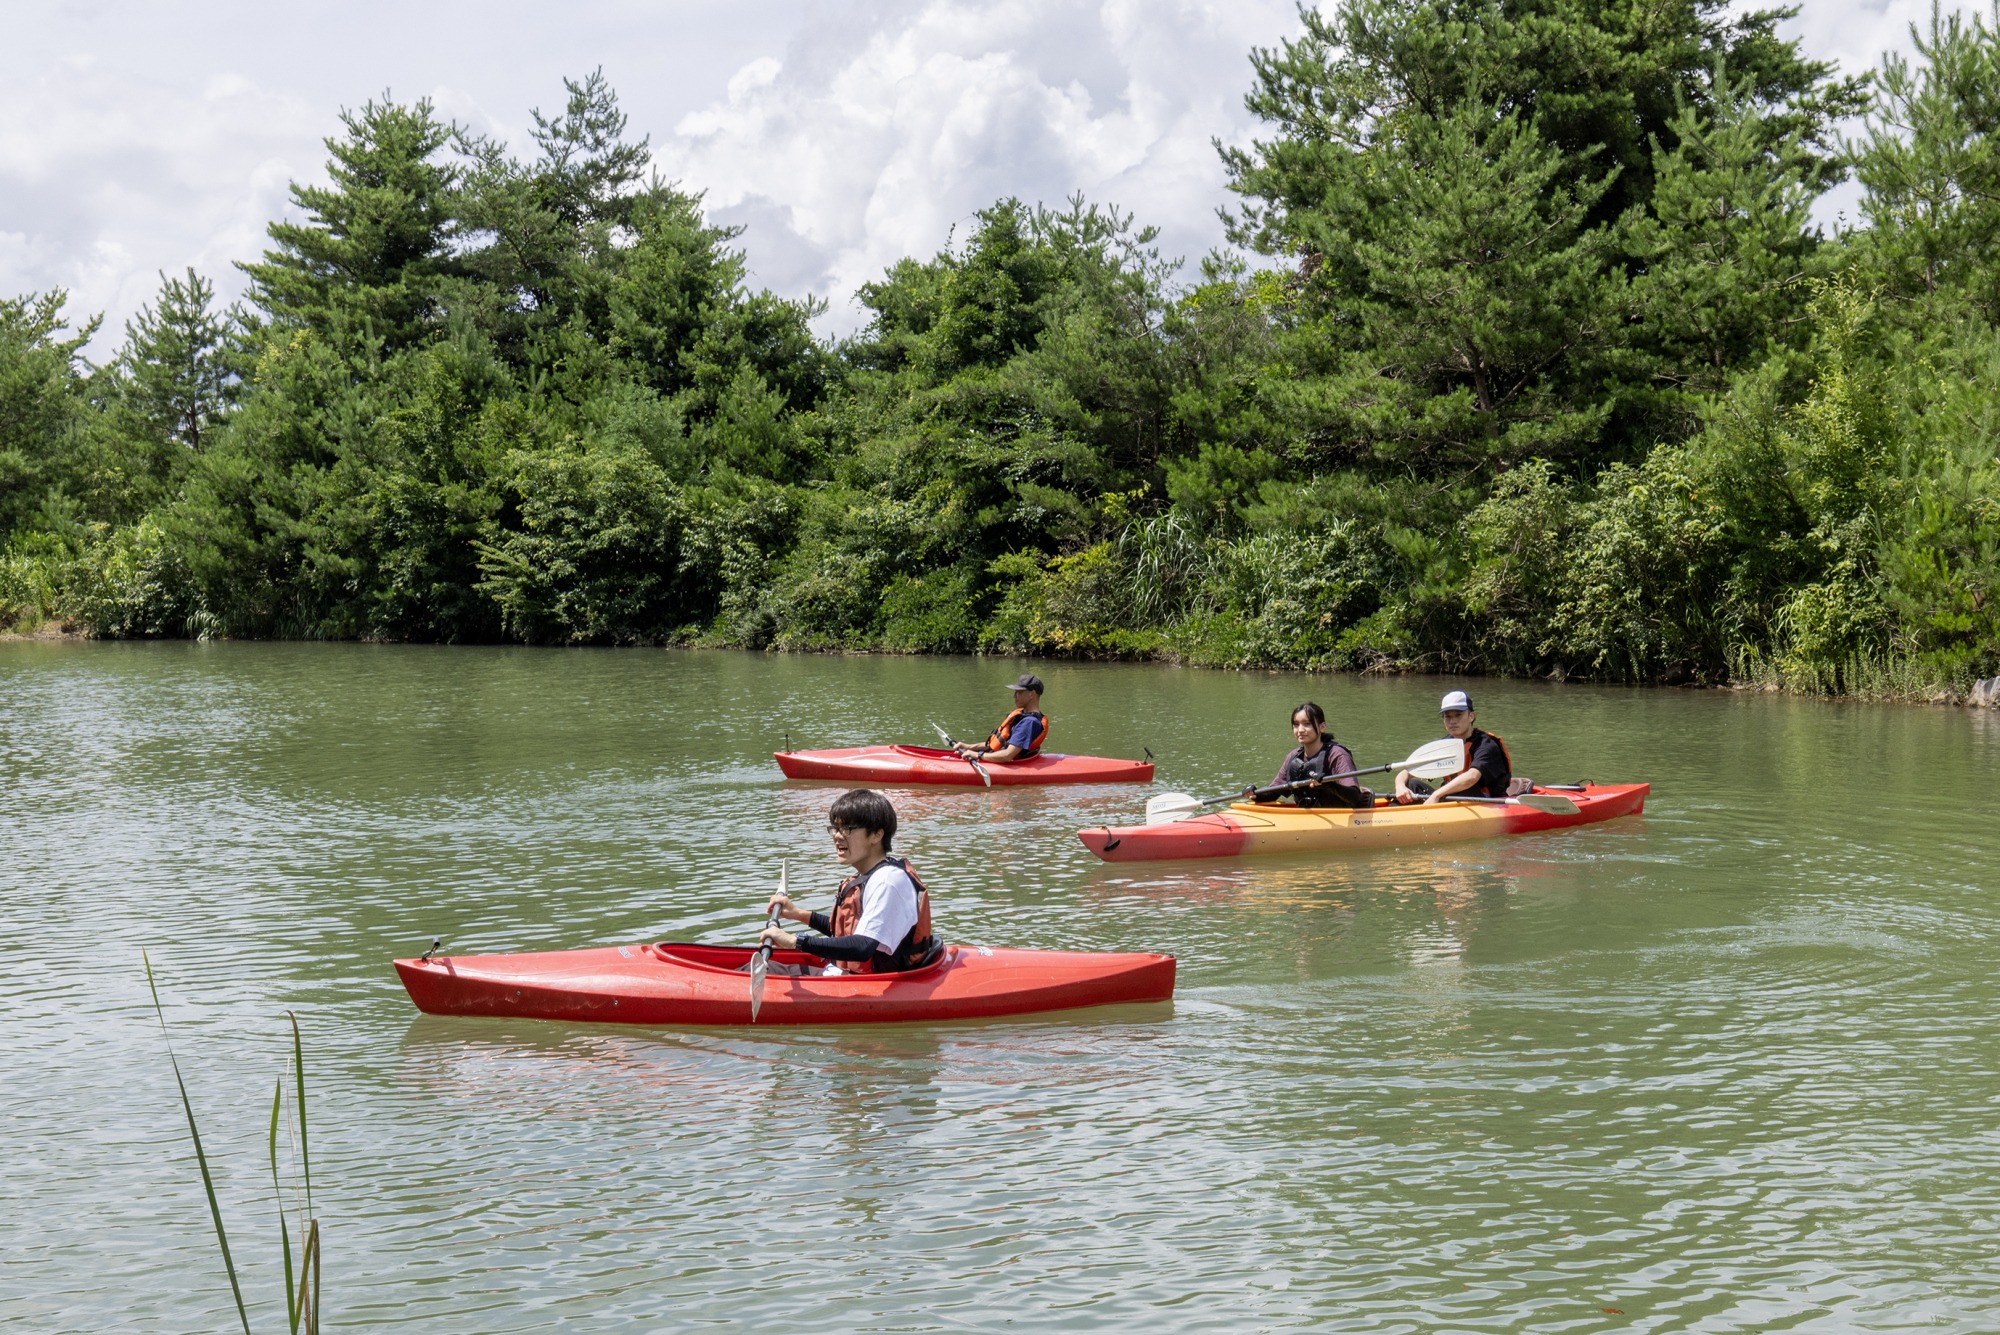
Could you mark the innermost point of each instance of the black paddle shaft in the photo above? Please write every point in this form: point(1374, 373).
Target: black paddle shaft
point(1266, 794)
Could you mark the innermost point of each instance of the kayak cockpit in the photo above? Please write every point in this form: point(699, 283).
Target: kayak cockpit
point(732, 959)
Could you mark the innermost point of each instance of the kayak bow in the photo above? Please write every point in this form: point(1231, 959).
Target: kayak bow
point(702, 985)
point(906, 766)
point(1249, 828)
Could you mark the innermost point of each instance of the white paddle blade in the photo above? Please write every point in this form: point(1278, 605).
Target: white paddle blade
point(1551, 803)
point(762, 956)
point(1170, 807)
point(1435, 760)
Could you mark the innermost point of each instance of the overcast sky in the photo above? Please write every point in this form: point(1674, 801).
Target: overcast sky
point(136, 137)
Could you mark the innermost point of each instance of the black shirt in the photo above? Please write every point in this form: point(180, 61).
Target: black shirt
point(1490, 759)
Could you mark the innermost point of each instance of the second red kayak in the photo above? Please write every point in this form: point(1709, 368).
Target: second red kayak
point(904, 766)
point(700, 985)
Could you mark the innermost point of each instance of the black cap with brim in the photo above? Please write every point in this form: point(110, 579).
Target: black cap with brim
point(1027, 681)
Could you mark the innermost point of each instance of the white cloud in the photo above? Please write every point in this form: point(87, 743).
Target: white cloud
point(866, 145)
point(109, 179)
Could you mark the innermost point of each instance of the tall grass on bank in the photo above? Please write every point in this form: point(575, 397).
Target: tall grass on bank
point(302, 1283)
point(1881, 676)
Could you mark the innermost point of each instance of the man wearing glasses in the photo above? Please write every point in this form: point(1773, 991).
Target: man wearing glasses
point(881, 916)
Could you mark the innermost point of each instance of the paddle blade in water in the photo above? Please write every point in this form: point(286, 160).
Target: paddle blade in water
point(762, 958)
point(757, 982)
point(1549, 802)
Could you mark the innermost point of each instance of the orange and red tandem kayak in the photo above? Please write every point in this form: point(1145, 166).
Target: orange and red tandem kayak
point(698, 985)
point(906, 766)
point(1247, 828)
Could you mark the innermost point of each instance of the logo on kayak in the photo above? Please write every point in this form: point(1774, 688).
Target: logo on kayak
point(625, 952)
point(984, 950)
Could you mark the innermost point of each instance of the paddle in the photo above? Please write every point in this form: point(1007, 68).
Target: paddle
point(762, 958)
point(1433, 760)
point(977, 768)
point(1549, 803)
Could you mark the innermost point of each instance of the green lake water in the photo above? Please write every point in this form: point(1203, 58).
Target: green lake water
point(1729, 1066)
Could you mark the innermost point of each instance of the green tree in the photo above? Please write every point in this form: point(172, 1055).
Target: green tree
point(1724, 242)
point(1929, 161)
point(1456, 306)
point(54, 466)
point(1450, 180)
point(367, 264)
point(176, 362)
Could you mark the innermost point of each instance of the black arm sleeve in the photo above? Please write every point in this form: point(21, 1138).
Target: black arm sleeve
point(820, 922)
point(857, 948)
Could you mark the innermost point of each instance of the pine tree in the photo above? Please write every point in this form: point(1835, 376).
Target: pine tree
point(370, 259)
point(43, 442)
point(1449, 180)
point(1929, 159)
point(587, 166)
point(1725, 242)
point(175, 361)
point(1452, 298)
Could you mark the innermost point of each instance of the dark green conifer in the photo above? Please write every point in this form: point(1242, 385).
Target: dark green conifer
point(175, 361)
point(367, 264)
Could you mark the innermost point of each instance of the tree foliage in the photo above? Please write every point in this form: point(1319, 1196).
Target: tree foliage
point(1530, 360)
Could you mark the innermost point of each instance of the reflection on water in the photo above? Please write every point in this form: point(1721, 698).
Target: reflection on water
point(1726, 1067)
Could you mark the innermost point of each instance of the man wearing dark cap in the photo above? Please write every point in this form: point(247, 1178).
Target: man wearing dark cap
point(1021, 734)
point(1487, 767)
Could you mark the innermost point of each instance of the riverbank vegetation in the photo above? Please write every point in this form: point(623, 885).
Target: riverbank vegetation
point(1526, 357)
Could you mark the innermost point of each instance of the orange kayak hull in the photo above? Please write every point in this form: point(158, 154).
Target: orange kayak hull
point(1248, 828)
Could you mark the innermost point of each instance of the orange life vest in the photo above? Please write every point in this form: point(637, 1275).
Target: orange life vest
point(915, 950)
point(999, 737)
point(1486, 780)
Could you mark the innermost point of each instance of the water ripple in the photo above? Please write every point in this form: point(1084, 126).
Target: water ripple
point(1727, 1067)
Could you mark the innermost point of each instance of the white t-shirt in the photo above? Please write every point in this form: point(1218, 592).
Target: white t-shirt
point(888, 909)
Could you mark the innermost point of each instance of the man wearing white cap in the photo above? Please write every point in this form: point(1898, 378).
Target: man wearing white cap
point(1021, 734)
point(1487, 766)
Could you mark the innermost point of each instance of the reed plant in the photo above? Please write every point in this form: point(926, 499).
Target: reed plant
point(302, 1281)
point(1879, 675)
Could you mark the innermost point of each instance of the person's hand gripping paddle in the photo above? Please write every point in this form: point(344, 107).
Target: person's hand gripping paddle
point(977, 768)
point(1433, 760)
point(760, 960)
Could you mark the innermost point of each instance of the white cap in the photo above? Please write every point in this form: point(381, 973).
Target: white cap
point(1455, 700)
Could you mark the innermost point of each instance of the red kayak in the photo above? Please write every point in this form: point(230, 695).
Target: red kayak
point(1251, 827)
point(689, 984)
point(903, 766)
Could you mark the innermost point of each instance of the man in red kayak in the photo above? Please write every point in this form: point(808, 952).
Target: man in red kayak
point(1021, 734)
point(1487, 771)
point(881, 917)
